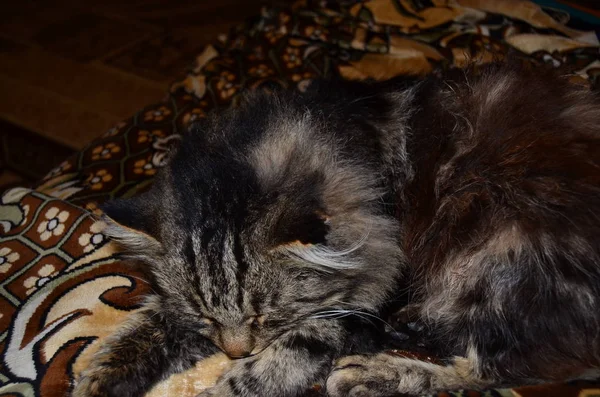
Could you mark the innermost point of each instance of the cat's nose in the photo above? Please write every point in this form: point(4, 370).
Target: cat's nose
point(236, 345)
point(241, 353)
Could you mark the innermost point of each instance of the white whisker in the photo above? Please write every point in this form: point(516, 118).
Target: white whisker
point(341, 313)
point(144, 281)
point(141, 324)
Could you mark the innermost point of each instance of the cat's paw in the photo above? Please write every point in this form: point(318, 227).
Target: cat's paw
point(380, 375)
point(100, 381)
point(91, 384)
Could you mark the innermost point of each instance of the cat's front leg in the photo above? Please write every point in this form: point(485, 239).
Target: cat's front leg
point(140, 354)
point(288, 367)
point(386, 374)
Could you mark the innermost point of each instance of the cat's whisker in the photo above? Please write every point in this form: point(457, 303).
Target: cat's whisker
point(144, 281)
point(332, 315)
point(340, 313)
point(139, 278)
point(337, 313)
point(345, 313)
point(375, 317)
point(364, 318)
point(363, 98)
point(450, 87)
point(326, 312)
point(149, 318)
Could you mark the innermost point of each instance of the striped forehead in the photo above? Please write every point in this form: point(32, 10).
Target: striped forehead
point(221, 263)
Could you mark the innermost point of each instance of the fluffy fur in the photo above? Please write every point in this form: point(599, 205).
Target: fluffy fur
point(280, 227)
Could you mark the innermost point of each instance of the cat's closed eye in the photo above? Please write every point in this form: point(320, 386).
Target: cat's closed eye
point(256, 321)
point(253, 321)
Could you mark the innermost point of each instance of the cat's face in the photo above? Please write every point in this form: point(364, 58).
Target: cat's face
point(236, 287)
point(224, 275)
point(257, 224)
point(244, 301)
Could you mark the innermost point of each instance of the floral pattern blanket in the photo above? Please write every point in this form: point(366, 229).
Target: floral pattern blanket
point(62, 286)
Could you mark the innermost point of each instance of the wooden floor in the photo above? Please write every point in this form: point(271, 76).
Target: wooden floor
point(70, 69)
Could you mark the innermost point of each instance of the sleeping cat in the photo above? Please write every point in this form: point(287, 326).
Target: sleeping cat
point(277, 223)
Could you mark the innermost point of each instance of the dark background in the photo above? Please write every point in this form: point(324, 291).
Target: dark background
point(69, 69)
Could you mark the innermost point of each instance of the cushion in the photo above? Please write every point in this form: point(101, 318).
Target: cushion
point(63, 288)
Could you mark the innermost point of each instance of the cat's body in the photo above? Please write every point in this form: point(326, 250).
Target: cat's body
point(273, 223)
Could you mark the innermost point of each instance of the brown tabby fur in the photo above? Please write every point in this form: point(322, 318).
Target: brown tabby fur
point(279, 227)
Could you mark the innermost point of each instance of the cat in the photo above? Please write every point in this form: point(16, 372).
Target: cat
point(280, 224)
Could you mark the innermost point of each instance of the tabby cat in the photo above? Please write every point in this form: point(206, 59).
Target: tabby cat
point(277, 223)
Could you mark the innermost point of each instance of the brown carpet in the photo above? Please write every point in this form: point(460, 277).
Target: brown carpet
point(70, 70)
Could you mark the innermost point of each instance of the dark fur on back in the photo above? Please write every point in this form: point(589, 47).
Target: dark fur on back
point(276, 222)
point(503, 220)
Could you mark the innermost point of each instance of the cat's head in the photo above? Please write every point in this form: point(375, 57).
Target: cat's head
point(260, 221)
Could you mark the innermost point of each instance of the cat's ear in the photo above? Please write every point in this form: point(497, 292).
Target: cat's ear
point(301, 227)
point(131, 224)
point(166, 148)
point(303, 236)
point(304, 240)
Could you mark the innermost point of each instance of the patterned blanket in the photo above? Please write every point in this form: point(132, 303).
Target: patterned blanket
point(62, 287)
